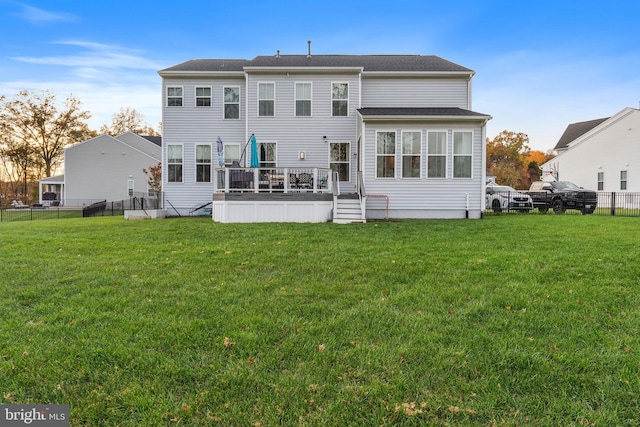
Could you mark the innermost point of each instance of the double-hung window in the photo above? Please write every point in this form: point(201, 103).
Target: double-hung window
point(266, 99)
point(303, 99)
point(600, 181)
point(385, 154)
point(623, 180)
point(462, 154)
point(437, 154)
point(231, 102)
point(174, 163)
point(203, 163)
point(411, 150)
point(339, 99)
point(203, 97)
point(174, 96)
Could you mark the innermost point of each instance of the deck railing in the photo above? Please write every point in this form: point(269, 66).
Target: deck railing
point(270, 180)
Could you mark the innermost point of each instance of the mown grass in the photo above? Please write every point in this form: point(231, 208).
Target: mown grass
point(511, 320)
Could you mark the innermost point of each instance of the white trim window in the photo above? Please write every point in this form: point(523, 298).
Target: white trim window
point(303, 99)
point(130, 186)
point(266, 99)
point(267, 154)
point(231, 101)
point(203, 96)
point(385, 154)
point(339, 99)
point(411, 154)
point(623, 180)
point(231, 154)
point(174, 163)
point(203, 163)
point(174, 96)
point(600, 181)
point(462, 154)
point(437, 154)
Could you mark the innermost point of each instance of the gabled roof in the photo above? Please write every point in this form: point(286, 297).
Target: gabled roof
point(420, 113)
point(155, 139)
point(575, 131)
point(368, 63)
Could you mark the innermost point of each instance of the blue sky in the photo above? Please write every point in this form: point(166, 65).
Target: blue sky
point(540, 65)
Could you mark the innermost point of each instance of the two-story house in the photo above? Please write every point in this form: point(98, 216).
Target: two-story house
point(322, 137)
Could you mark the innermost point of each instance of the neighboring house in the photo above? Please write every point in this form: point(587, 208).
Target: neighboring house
point(376, 129)
point(102, 168)
point(601, 155)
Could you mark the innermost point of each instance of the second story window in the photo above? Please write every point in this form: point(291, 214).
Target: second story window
point(266, 99)
point(174, 96)
point(232, 102)
point(339, 99)
point(303, 99)
point(203, 97)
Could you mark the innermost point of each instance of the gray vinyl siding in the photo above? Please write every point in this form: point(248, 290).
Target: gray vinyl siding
point(424, 194)
point(294, 134)
point(190, 126)
point(415, 92)
point(99, 168)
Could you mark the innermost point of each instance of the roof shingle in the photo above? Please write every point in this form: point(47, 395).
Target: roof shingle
point(370, 63)
point(575, 131)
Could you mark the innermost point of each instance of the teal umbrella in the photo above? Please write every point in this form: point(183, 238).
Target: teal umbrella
point(255, 160)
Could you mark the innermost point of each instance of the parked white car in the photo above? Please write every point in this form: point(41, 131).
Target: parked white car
point(504, 198)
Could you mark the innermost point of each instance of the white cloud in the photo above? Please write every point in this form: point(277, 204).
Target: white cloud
point(103, 77)
point(40, 16)
point(96, 55)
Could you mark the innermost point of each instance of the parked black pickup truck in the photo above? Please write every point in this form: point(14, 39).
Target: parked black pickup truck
point(562, 195)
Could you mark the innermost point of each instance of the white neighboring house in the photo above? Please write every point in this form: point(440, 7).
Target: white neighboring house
point(102, 168)
point(601, 155)
point(396, 129)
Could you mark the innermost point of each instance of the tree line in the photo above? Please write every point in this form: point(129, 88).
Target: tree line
point(34, 130)
point(512, 162)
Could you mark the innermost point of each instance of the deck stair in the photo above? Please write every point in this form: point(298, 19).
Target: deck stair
point(348, 209)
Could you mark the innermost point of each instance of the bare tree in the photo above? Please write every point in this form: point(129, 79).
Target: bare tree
point(128, 119)
point(33, 120)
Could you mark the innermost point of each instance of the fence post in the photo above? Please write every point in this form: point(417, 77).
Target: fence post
point(613, 203)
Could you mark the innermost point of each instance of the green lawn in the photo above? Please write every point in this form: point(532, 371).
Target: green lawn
point(510, 320)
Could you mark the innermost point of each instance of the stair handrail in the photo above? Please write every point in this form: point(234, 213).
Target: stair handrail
point(362, 194)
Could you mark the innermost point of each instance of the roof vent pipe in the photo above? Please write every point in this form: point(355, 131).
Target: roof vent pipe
point(277, 54)
point(308, 48)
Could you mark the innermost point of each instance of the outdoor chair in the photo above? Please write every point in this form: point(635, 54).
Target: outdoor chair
point(293, 180)
point(305, 180)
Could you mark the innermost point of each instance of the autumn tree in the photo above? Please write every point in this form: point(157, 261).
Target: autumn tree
point(506, 157)
point(154, 175)
point(128, 120)
point(34, 123)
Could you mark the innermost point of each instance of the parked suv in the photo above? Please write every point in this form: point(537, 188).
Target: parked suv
point(503, 197)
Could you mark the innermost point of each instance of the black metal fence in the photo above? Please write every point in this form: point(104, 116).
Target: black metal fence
point(608, 204)
point(101, 208)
